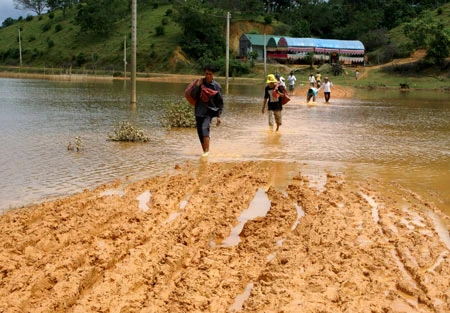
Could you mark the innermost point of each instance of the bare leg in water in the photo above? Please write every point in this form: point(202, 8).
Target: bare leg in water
point(205, 145)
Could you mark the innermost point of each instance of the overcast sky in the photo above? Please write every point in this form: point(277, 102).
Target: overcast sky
point(7, 10)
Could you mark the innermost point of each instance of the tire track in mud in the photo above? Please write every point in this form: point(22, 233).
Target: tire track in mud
point(358, 248)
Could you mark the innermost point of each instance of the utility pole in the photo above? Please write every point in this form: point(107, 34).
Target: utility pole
point(20, 49)
point(265, 53)
point(133, 55)
point(124, 56)
point(227, 57)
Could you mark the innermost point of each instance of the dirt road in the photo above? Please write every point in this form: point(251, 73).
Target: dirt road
point(163, 245)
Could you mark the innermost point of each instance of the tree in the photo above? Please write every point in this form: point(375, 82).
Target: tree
point(99, 16)
point(203, 30)
point(37, 6)
point(8, 22)
point(431, 35)
point(60, 4)
point(418, 30)
point(439, 46)
point(252, 7)
point(301, 29)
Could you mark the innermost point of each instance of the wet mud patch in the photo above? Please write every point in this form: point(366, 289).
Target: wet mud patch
point(157, 245)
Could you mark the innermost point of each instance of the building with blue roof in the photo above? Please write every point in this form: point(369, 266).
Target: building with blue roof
point(294, 50)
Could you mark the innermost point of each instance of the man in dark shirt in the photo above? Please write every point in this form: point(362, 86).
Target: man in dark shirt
point(209, 104)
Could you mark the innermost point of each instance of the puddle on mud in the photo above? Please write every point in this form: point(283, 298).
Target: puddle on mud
point(240, 299)
point(440, 259)
point(174, 215)
point(374, 205)
point(440, 229)
point(183, 204)
point(300, 214)
point(258, 207)
point(317, 182)
point(272, 256)
point(143, 199)
point(113, 192)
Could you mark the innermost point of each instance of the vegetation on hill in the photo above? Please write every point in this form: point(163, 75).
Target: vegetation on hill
point(180, 36)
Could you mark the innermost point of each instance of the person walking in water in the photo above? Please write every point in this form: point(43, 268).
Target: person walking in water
point(318, 79)
point(312, 79)
point(209, 104)
point(272, 97)
point(311, 94)
point(291, 81)
point(326, 86)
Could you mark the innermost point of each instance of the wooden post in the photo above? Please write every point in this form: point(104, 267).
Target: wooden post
point(227, 57)
point(124, 56)
point(20, 49)
point(133, 55)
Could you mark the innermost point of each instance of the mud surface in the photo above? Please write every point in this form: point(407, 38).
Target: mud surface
point(163, 245)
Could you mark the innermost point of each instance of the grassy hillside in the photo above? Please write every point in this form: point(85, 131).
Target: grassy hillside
point(57, 41)
point(54, 41)
point(443, 13)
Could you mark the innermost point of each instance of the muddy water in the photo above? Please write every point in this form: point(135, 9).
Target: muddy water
point(401, 137)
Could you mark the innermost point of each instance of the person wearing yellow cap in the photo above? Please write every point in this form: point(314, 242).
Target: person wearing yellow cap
point(272, 97)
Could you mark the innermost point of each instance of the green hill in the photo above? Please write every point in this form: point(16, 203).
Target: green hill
point(51, 40)
point(54, 41)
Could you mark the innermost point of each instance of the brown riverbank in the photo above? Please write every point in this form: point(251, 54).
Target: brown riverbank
point(157, 246)
point(338, 90)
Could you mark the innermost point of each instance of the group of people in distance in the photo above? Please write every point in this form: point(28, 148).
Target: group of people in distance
point(315, 85)
point(208, 100)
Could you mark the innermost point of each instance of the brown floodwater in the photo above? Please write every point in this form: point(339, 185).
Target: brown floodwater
point(394, 136)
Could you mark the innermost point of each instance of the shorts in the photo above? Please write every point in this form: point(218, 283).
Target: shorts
point(277, 115)
point(203, 125)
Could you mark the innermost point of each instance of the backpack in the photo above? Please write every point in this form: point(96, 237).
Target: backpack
point(284, 99)
point(187, 93)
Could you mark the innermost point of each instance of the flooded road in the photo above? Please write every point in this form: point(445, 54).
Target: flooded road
point(395, 136)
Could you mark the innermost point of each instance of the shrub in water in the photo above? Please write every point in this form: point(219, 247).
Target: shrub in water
point(127, 132)
point(178, 114)
point(78, 146)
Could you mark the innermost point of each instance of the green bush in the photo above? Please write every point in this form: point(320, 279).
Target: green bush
point(80, 59)
point(58, 28)
point(125, 131)
point(267, 19)
point(8, 22)
point(50, 43)
point(178, 114)
point(159, 30)
point(46, 27)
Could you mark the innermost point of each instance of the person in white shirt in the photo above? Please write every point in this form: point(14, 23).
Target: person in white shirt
point(291, 81)
point(312, 80)
point(280, 80)
point(326, 89)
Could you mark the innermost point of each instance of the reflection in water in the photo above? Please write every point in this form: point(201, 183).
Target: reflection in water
point(401, 137)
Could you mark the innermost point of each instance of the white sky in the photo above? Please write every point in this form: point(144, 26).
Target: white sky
point(7, 10)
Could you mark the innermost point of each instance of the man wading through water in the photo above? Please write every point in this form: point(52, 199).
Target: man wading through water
point(209, 104)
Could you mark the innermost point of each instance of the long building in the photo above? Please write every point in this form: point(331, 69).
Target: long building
point(294, 50)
